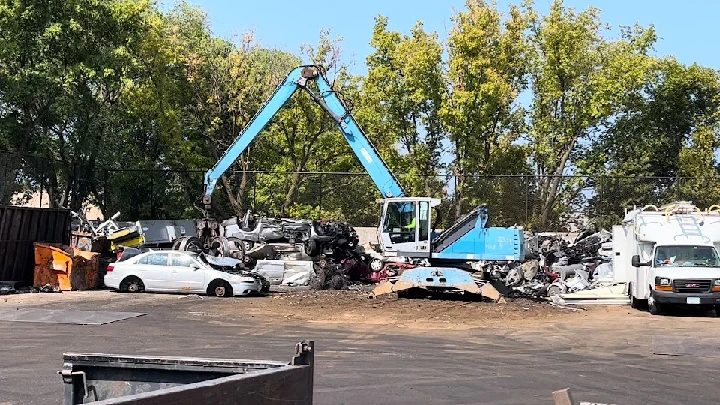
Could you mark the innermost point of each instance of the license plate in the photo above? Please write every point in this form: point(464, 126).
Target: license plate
point(693, 300)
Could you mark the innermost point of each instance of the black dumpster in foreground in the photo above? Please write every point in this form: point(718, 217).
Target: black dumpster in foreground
point(106, 379)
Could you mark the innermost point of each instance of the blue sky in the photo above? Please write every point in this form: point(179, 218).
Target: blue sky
point(687, 29)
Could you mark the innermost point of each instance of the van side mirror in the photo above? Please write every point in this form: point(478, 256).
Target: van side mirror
point(636, 261)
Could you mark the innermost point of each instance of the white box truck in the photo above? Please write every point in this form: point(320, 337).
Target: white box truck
point(669, 256)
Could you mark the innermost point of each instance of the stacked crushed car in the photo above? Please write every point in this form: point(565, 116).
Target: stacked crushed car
point(557, 265)
point(328, 248)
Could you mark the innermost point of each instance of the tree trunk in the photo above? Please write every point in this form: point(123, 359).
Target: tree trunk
point(242, 191)
point(289, 197)
point(234, 203)
point(428, 187)
point(237, 200)
point(551, 195)
point(459, 185)
point(459, 181)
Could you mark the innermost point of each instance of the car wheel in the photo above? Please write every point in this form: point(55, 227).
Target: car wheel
point(311, 248)
point(376, 265)
point(132, 285)
point(194, 244)
point(655, 308)
point(220, 288)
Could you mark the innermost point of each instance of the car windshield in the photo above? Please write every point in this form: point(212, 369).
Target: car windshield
point(686, 256)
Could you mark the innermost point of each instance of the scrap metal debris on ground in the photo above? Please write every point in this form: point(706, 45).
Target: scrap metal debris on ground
point(328, 257)
point(557, 266)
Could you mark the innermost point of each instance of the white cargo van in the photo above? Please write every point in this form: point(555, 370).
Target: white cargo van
point(669, 256)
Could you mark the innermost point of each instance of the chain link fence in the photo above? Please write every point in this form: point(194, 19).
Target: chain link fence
point(543, 203)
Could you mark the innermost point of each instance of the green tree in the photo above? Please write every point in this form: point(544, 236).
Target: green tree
point(662, 145)
point(65, 68)
point(404, 91)
point(579, 80)
point(488, 66)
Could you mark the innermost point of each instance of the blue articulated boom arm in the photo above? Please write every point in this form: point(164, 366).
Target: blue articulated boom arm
point(298, 79)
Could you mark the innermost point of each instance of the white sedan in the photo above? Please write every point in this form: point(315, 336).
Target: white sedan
point(176, 271)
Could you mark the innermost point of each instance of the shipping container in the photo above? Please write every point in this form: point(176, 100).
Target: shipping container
point(20, 228)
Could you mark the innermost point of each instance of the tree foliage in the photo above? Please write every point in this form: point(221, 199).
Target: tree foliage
point(579, 81)
point(404, 92)
point(127, 107)
point(489, 57)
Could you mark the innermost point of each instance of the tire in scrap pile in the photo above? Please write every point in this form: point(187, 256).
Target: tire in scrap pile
point(328, 276)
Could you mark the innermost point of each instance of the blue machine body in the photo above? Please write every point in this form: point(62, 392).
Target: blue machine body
point(487, 244)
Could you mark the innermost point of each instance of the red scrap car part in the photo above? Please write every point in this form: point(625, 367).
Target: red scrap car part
point(390, 270)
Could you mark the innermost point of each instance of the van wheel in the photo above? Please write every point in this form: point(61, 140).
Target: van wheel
point(655, 308)
point(132, 285)
point(717, 310)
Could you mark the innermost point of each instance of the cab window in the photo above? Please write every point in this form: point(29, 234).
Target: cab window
point(424, 220)
point(400, 221)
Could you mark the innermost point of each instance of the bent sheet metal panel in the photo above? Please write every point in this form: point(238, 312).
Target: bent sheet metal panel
point(436, 278)
point(20, 228)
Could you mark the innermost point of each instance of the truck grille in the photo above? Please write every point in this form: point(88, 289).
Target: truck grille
point(692, 286)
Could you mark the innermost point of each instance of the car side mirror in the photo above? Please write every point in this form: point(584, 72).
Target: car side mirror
point(635, 261)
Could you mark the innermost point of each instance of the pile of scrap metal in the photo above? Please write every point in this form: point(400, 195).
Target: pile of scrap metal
point(558, 266)
point(110, 236)
point(256, 230)
point(260, 242)
point(106, 237)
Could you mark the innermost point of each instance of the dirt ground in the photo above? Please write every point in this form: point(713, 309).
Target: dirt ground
point(384, 350)
point(356, 308)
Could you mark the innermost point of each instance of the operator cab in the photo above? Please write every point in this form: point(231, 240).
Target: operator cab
point(405, 226)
